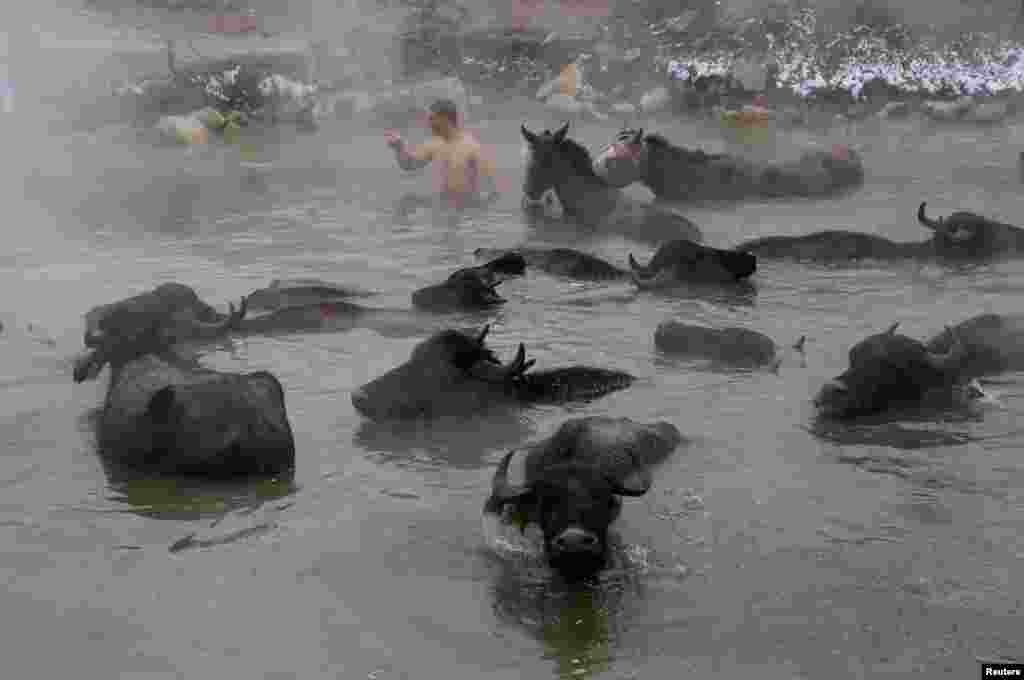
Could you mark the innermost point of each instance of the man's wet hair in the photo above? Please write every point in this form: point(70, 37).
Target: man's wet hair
point(447, 108)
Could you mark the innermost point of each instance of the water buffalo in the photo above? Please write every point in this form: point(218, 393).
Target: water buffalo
point(681, 260)
point(731, 344)
point(168, 303)
point(454, 373)
point(993, 343)
point(466, 290)
point(570, 484)
point(470, 287)
point(890, 370)
point(966, 234)
point(675, 173)
point(282, 293)
point(565, 166)
point(301, 304)
point(673, 263)
point(962, 235)
point(566, 262)
point(169, 414)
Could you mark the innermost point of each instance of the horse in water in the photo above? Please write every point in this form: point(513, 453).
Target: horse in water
point(565, 166)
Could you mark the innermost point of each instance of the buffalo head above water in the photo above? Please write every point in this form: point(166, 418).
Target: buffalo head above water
point(169, 304)
point(451, 372)
point(454, 373)
point(471, 287)
point(888, 369)
point(571, 483)
point(158, 334)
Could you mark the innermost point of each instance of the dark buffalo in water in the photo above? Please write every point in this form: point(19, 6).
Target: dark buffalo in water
point(732, 344)
point(468, 289)
point(567, 262)
point(471, 287)
point(888, 369)
point(966, 234)
point(962, 235)
point(562, 164)
point(282, 293)
point(674, 173)
point(571, 483)
point(685, 261)
point(170, 304)
point(993, 343)
point(169, 414)
point(454, 373)
point(299, 305)
point(673, 263)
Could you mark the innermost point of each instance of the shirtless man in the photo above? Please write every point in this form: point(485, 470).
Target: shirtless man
point(464, 166)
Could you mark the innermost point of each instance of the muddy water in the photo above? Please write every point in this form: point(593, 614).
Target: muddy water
point(886, 550)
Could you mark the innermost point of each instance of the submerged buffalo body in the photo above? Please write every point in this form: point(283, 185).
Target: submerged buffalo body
point(966, 234)
point(685, 261)
point(169, 414)
point(571, 483)
point(454, 373)
point(466, 290)
point(962, 235)
point(674, 262)
point(992, 343)
point(283, 293)
point(888, 369)
point(675, 173)
point(566, 262)
point(170, 304)
point(732, 344)
point(298, 305)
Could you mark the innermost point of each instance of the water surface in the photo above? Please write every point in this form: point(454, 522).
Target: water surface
point(890, 549)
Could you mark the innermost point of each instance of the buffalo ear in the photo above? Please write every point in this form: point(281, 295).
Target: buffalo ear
point(504, 490)
point(161, 405)
point(636, 483)
point(88, 366)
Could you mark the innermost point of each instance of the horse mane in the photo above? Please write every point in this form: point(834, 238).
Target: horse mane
point(580, 159)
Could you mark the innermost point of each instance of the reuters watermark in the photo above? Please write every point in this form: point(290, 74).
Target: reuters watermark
point(1000, 669)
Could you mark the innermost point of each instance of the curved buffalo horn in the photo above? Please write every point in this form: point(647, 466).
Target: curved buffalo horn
point(636, 267)
point(561, 132)
point(892, 329)
point(639, 136)
point(530, 137)
point(799, 345)
point(934, 225)
point(486, 370)
point(500, 488)
point(212, 329)
point(483, 334)
point(949, 360)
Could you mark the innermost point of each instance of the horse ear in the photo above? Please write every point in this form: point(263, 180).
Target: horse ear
point(527, 135)
point(561, 132)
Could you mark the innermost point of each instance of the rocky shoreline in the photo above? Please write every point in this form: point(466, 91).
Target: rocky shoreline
point(805, 78)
